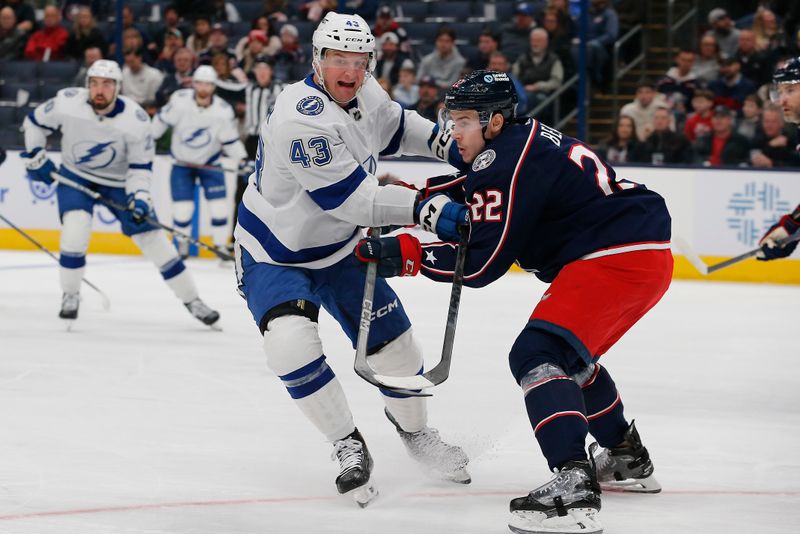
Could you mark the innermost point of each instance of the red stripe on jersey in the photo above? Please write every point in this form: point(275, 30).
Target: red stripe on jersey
point(556, 416)
point(446, 185)
point(601, 413)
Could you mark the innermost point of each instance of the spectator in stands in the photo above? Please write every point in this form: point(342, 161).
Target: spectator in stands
point(255, 51)
point(222, 11)
point(679, 84)
point(217, 44)
point(706, 63)
point(775, 144)
point(643, 108)
point(699, 122)
point(170, 21)
point(84, 34)
point(539, 71)
point(90, 55)
point(198, 41)
point(749, 126)
point(723, 31)
point(26, 16)
point(385, 23)
point(129, 21)
point(390, 58)
point(722, 146)
point(291, 54)
point(172, 43)
point(623, 145)
point(406, 91)
point(488, 44)
point(664, 145)
point(563, 17)
point(559, 37)
point(140, 81)
point(445, 63)
point(429, 99)
point(387, 86)
point(229, 88)
point(261, 23)
point(179, 77)
point(767, 32)
point(603, 31)
point(48, 43)
point(731, 87)
point(516, 36)
point(12, 39)
point(315, 10)
point(499, 62)
point(278, 10)
point(756, 65)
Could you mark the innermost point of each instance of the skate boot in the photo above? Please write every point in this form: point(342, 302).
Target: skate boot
point(355, 467)
point(426, 447)
point(569, 503)
point(203, 313)
point(627, 468)
point(69, 307)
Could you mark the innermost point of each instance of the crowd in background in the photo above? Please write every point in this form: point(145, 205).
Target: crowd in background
point(712, 107)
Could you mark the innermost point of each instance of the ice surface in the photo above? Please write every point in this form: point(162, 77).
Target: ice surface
point(142, 420)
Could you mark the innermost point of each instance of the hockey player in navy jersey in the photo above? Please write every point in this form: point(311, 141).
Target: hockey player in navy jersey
point(313, 190)
point(548, 203)
point(787, 85)
point(106, 146)
point(203, 128)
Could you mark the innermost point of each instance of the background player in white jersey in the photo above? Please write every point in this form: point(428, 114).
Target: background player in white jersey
point(203, 128)
point(787, 82)
point(106, 146)
point(301, 215)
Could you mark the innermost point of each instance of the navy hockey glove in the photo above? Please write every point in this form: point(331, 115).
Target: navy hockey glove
point(140, 205)
point(786, 226)
point(396, 256)
point(442, 216)
point(39, 166)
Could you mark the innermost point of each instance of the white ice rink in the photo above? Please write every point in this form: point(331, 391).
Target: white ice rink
point(143, 421)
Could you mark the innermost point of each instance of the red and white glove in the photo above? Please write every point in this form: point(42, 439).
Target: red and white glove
point(395, 256)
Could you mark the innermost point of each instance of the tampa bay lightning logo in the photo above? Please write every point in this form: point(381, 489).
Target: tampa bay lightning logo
point(310, 105)
point(94, 155)
point(197, 138)
point(483, 160)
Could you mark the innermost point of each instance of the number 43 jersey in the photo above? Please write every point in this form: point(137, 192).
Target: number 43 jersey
point(542, 199)
point(314, 184)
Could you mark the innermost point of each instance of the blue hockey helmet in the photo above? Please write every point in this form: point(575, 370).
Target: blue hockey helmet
point(788, 73)
point(485, 91)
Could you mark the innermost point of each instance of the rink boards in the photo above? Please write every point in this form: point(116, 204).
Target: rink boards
point(720, 212)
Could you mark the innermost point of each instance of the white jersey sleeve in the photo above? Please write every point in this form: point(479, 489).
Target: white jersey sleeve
point(141, 151)
point(228, 135)
point(44, 120)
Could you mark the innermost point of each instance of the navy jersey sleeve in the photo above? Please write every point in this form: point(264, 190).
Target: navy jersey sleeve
point(451, 185)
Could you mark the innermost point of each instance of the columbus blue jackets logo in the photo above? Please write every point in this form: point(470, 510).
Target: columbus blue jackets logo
point(197, 138)
point(94, 155)
point(483, 160)
point(310, 105)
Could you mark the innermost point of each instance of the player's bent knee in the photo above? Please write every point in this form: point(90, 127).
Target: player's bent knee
point(291, 343)
point(400, 357)
point(218, 208)
point(535, 347)
point(156, 247)
point(540, 375)
point(76, 230)
point(182, 212)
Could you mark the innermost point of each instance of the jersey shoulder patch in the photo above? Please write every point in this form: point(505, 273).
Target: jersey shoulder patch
point(142, 115)
point(69, 92)
point(483, 160)
point(310, 105)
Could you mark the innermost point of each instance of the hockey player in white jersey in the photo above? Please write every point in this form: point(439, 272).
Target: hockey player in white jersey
point(312, 192)
point(203, 128)
point(107, 146)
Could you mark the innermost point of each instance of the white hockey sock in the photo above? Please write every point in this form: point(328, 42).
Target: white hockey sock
point(327, 409)
point(219, 208)
point(75, 231)
point(156, 247)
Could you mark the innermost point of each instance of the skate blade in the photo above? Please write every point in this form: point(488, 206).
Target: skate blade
point(632, 485)
point(215, 327)
point(577, 521)
point(364, 495)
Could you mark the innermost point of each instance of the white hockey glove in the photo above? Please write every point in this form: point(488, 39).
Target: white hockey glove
point(38, 165)
point(141, 205)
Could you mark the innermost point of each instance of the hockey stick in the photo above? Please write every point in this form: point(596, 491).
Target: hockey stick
point(705, 269)
point(152, 220)
point(103, 296)
point(441, 371)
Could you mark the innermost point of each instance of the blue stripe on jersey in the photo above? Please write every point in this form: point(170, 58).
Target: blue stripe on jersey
point(308, 379)
point(394, 143)
point(231, 141)
point(277, 250)
point(332, 196)
point(145, 166)
point(213, 159)
point(32, 118)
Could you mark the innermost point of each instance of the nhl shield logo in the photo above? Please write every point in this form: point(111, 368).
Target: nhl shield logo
point(483, 160)
point(310, 105)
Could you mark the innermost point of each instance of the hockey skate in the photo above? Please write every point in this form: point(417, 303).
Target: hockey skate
point(69, 308)
point(203, 313)
point(569, 503)
point(426, 447)
point(627, 468)
point(355, 467)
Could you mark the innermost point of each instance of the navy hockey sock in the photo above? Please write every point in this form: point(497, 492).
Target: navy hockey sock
point(604, 408)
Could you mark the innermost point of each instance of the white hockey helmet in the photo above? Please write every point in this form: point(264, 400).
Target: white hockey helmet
point(205, 73)
point(105, 68)
point(347, 33)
